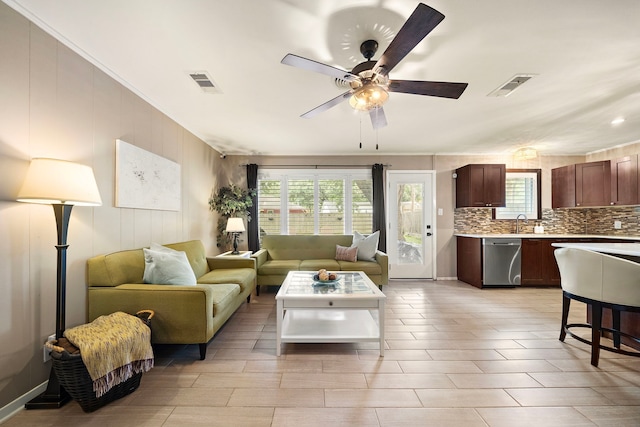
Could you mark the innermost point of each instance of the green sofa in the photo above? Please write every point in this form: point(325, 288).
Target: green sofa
point(280, 254)
point(183, 314)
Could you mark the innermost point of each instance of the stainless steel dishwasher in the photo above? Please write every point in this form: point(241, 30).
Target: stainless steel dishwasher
point(501, 262)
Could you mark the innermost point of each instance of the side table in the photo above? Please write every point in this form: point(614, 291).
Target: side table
point(243, 254)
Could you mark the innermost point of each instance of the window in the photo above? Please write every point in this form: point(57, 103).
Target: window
point(522, 195)
point(315, 202)
point(269, 206)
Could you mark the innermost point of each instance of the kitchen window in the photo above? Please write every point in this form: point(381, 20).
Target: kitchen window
point(522, 195)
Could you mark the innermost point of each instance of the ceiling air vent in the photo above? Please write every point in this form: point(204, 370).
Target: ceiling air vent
point(514, 83)
point(204, 82)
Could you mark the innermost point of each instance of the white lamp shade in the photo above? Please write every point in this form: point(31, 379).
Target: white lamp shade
point(52, 181)
point(235, 225)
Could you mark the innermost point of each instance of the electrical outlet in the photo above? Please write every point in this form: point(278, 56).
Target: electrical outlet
point(617, 225)
point(46, 353)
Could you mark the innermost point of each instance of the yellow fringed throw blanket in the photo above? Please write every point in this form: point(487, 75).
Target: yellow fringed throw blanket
point(114, 348)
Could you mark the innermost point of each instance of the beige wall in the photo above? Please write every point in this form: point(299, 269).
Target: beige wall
point(55, 104)
point(615, 153)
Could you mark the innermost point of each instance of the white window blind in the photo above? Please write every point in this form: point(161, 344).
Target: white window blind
point(521, 196)
point(315, 201)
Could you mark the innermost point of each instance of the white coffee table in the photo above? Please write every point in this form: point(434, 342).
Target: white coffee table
point(351, 310)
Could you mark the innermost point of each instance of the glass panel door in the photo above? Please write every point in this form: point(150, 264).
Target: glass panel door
point(410, 242)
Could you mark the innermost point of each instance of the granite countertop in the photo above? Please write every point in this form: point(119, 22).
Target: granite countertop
point(546, 236)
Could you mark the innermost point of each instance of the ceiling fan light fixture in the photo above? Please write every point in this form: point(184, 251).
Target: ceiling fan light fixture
point(368, 97)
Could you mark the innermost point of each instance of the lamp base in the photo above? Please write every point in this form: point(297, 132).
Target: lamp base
point(54, 397)
point(235, 244)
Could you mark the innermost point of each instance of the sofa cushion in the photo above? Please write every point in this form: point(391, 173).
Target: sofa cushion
point(222, 295)
point(368, 267)
point(279, 266)
point(344, 253)
point(317, 264)
point(242, 276)
point(195, 254)
point(167, 267)
point(281, 247)
point(367, 245)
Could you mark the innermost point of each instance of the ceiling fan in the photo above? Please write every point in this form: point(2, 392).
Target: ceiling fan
point(369, 80)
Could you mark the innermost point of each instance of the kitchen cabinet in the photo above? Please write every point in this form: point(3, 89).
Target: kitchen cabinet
point(624, 181)
point(581, 185)
point(539, 267)
point(469, 260)
point(538, 263)
point(593, 183)
point(629, 323)
point(563, 187)
point(480, 185)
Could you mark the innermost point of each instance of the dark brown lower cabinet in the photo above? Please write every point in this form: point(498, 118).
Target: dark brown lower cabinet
point(469, 260)
point(539, 267)
point(629, 323)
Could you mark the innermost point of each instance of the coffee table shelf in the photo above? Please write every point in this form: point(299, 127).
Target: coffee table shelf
point(325, 326)
point(350, 311)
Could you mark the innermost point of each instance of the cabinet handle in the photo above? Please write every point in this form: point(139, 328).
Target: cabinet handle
point(330, 303)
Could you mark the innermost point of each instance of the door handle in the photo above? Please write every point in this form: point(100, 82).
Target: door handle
point(428, 234)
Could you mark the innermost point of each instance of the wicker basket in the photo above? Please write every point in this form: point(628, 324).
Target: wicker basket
point(74, 377)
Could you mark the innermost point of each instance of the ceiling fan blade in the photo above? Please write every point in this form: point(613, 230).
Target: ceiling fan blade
point(378, 118)
point(417, 87)
point(324, 107)
point(420, 23)
point(318, 67)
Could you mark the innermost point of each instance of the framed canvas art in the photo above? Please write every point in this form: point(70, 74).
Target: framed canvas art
point(145, 180)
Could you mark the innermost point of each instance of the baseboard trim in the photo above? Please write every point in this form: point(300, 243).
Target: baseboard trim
point(12, 408)
point(447, 278)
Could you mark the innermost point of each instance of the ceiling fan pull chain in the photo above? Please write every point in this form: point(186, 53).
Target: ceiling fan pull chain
point(361, 132)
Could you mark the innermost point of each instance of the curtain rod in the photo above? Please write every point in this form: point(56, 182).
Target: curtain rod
point(313, 166)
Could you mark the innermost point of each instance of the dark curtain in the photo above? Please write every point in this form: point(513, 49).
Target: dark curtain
point(253, 236)
point(378, 205)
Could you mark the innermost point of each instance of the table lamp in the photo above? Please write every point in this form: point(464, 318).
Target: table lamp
point(61, 184)
point(235, 226)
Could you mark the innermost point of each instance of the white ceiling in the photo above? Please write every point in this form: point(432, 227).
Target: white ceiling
point(585, 55)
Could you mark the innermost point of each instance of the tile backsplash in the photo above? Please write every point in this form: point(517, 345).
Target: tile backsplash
point(555, 221)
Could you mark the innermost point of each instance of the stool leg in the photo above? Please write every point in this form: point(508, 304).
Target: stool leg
point(566, 302)
point(596, 325)
point(615, 314)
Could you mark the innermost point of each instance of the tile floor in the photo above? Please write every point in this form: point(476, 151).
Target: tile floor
point(456, 356)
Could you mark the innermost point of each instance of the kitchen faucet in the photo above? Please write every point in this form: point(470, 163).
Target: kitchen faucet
point(518, 222)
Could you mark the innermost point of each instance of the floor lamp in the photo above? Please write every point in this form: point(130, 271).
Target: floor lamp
point(61, 184)
point(235, 226)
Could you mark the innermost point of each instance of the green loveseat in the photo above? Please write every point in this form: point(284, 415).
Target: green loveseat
point(280, 254)
point(183, 314)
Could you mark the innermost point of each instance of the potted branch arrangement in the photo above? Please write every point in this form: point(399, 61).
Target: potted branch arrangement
point(230, 202)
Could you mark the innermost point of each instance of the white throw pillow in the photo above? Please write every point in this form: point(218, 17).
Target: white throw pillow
point(367, 245)
point(166, 266)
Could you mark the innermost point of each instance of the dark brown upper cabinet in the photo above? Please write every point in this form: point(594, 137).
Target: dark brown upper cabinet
point(563, 187)
point(480, 185)
point(624, 181)
point(593, 183)
point(581, 185)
